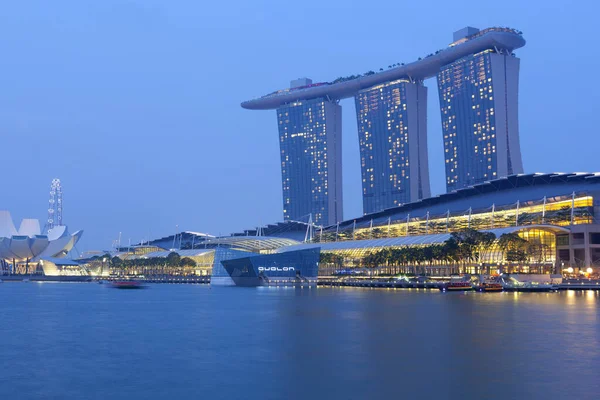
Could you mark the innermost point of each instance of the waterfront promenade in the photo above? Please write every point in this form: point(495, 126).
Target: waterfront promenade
point(363, 282)
point(567, 284)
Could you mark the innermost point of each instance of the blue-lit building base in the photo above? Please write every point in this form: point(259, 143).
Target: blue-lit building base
point(299, 267)
point(219, 276)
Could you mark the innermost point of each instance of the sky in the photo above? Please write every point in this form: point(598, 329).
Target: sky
point(135, 104)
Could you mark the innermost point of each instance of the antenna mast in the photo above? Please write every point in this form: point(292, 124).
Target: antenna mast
point(55, 205)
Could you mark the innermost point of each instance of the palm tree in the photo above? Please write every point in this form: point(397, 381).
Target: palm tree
point(513, 247)
point(428, 255)
point(485, 242)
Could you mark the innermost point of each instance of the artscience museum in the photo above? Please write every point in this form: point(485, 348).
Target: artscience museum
point(23, 250)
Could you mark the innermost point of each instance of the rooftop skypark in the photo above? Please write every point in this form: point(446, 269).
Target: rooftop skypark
point(495, 38)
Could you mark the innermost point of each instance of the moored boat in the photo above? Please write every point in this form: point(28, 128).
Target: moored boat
point(510, 284)
point(490, 287)
point(531, 287)
point(127, 285)
point(457, 284)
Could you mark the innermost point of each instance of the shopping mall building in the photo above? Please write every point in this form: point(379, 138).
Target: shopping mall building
point(557, 214)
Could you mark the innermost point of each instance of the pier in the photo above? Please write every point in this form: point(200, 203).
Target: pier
point(567, 284)
point(382, 283)
point(192, 279)
point(375, 283)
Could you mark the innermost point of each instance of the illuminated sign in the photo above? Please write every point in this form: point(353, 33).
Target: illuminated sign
point(276, 269)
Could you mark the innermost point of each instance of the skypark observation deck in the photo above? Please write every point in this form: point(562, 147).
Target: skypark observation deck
point(500, 39)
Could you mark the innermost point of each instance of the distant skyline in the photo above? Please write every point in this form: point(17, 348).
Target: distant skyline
point(134, 105)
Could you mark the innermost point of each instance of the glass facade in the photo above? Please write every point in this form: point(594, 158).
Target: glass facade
point(392, 137)
point(559, 211)
point(478, 101)
point(219, 276)
point(310, 144)
point(541, 256)
point(299, 266)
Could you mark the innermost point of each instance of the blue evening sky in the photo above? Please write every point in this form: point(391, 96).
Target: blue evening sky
point(134, 104)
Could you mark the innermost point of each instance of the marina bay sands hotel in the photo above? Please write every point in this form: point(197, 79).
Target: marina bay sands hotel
point(477, 77)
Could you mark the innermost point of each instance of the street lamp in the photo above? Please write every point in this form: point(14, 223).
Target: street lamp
point(570, 270)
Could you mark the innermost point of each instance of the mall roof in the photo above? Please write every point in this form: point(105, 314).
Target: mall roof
point(248, 243)
point(184, 234)
point(251, 243)
point(410, 240)
point(502, 38)
point(182, 253)
point(276, 229)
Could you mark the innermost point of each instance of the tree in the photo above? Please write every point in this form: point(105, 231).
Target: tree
point(451, 250)
point(511, 241)
point(173, 259)
point(513, 247)
point(428, 254)
point(370, 261)
point(187, 262)
point(538, 252)
point(331, 261)
point(472, 244)
point(516, 255)
point(466, 240)
point(116, 262)
point(485, 241)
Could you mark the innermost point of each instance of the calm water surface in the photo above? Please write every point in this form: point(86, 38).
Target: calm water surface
point(87, 341)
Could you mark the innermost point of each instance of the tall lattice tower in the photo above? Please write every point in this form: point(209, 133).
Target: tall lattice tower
point(55, 205)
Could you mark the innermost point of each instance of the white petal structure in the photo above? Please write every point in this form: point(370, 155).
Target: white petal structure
point(5, 251)
point(57, 232)
point(60, 246)
point(21, 247)
point(29, 244)
point(30, 227)
point(7, 228)
point(40, 244)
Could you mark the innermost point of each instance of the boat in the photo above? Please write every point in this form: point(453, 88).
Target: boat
point(457, 284)
point(510, 284)
point(490, 287)
point(530, 287)
point(127, 285)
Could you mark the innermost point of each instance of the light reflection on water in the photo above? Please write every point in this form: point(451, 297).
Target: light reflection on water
point(89, 341)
